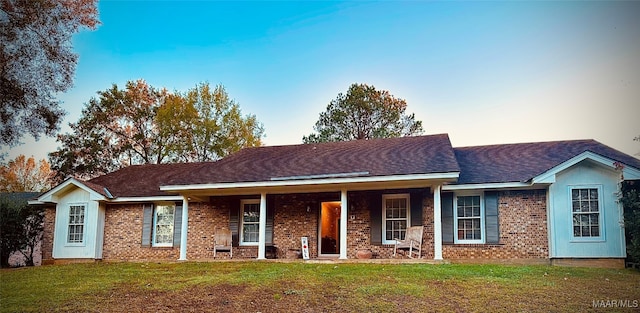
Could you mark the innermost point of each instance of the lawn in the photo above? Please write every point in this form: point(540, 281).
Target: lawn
point(305, 287)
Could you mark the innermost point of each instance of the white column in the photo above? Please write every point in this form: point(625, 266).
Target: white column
point(343, 224)
point(263, 227)
point(437, 224)
point(185, 229)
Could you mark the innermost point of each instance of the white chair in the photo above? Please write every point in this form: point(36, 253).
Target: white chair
point(412, 241)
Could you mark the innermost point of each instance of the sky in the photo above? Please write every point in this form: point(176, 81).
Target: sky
point(483, 72)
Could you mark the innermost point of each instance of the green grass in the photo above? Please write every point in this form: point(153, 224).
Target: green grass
point(276, 287)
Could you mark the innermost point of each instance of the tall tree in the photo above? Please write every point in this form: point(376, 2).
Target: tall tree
point(219, 128)
point(364, 113)
point(37, 62)
point(25, 175)
point(145, 125)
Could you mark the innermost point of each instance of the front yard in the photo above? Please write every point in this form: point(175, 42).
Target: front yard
point(309, 287)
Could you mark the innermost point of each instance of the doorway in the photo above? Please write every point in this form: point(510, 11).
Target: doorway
point(329, 237)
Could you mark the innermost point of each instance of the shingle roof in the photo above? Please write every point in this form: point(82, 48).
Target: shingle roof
point(376, 157)
point(141, 180)
point(522, 162)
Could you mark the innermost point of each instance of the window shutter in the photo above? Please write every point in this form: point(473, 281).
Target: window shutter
point(234, 222)
point(177, 225)
point(446, 200)
point(416, 200)
point(375, 211)
point(491, 224)
point(270, 213)
point(147, 224)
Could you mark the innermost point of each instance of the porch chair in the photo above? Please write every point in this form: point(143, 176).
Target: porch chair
point(222, 242)
point(412, 241)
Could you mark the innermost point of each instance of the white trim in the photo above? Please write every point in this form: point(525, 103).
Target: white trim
point(306, 182)
point(437, 224)
point(483, 235)
point(146, 199)
point(241, 223)
point(335, 175)
point(549, 176)
point(184, 229)
point(343, 224)
point(154, 224)
point(49, 196)
point(85, 206)
point(262, 227)
point(384, 215)
point(486, 186)
point(601, 217)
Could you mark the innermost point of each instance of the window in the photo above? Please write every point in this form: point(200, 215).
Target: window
point(250, 228)
point(469, 224)
point(163, 225)
point(76, 224)
point(395, 217)
point(585, 208)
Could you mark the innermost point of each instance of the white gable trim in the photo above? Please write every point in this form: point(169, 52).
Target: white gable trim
point(549, 176)
point(51, 195)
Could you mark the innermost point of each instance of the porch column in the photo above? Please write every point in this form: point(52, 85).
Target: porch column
point(185, 229)
point(343, 224)
point(262, 227)
point(437, 224)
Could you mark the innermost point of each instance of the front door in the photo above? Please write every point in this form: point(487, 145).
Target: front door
point(329, 236)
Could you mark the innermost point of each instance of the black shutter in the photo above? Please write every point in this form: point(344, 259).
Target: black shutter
point(234, 221)
point(492, 229)
point(270, 212)
point(147, 224)
point(446, 200)
point(417, 197)
point(177, 225)
point(375, 215)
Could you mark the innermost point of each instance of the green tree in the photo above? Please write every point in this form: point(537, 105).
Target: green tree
point(631, 202)
point(364, 113)
point(145, 125)
point(37, 62)
point(22, 227)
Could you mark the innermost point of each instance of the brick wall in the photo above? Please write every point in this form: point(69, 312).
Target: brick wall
point(523, 230)
point(47, 236)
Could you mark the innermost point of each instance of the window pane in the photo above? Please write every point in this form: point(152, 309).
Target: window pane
point(593, 194)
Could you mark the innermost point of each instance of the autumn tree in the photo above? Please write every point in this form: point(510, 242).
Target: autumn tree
point(364, 113)
point(25, 175)
point(144, 125)
point(37, 62)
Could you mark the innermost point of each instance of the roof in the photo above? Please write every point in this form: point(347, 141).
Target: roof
point(524, 161)
point(19, 196)
point(369, 158)
point(141, 180)
point(431, 154)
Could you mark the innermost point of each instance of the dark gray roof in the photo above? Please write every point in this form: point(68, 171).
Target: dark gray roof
point(524, 161)
point(376, 157)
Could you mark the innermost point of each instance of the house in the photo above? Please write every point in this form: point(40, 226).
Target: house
point(532, 202)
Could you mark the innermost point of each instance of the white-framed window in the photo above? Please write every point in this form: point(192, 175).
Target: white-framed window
point(249, 222)
point(469, 218)
point(586, 211)
point(163, 218)
point(396, 212)
point(76, 223)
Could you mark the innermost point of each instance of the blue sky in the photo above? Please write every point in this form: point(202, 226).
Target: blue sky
point(483, 72)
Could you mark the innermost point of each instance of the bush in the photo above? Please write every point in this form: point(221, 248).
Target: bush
point(631, 201)
point(21, 228)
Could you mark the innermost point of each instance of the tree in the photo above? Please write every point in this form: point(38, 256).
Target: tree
point(630, 199)
point(37, 62)
point(145, 125)
point(22, 174)
point(364, 113)
point(22, 228)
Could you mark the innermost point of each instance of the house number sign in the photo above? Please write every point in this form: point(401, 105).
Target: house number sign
point(305, 247)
